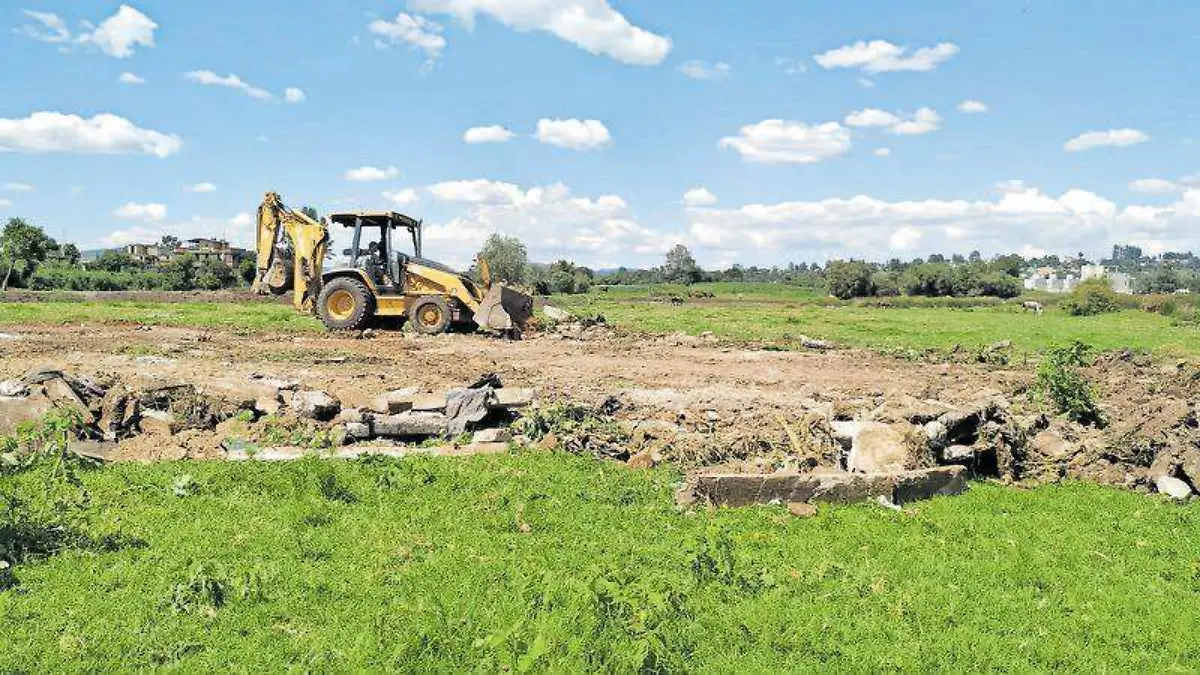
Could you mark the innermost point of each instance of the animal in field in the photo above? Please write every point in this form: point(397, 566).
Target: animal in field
point(1033, 306)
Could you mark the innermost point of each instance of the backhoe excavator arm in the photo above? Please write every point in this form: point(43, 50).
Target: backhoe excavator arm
point(291, 251)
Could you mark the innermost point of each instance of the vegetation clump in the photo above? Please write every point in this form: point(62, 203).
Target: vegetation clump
point(1060, 380)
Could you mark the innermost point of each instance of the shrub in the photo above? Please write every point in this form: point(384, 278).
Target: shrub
point(1065, 386)
point(849, 279)
point(1091, 298)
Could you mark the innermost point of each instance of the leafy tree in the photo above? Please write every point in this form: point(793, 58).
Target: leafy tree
point(70, 253)
point(1090, 298)
point(975, 257)
point(680, 267)
point(180, 273)
point(23, 245)
point(849, 279)
point(310, 212)
point(506, 257)
point(169, 242)
point(248, 269)
point(115, 261)
point(1165, 279)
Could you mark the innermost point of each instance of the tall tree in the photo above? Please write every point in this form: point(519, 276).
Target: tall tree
point(170, 242)
point(680, 267)
point(506, 257)
point(70, 253)
point(24, 245)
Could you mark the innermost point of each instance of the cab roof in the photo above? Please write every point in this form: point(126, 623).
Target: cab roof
point(375, 219)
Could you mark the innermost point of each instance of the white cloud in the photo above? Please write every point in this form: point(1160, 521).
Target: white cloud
point(52, 29)
point(130, 78)
point(905, 239)
point(972, 106)
point(5, 203)
point(120, 33)
point(592, 25)
point(549, 219)
point(789, 142)
point(573, 134)
point(368, 174)
point(699, 70)
point(402, 197)
point(102, 134)
point(488, 134)
point(791, 66)
point(242, 220)
point(230, 81)
point(238, 230)
point(864, 226)
point(415, 31)
point(1153, 186)
point(882, 152)
point(116, 36)
point(881, 56)
point(294, 95)
point(699, 196)
point(201, 187)
point(872, 117)
point(147, 212)
point(1119, 138)
point(18, 187)
point(924, 121)
point(864, 82)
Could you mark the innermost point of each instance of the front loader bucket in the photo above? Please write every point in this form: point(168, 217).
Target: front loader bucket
point(504, 309)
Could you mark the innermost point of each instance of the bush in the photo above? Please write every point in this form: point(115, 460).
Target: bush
point(849, 279)
point(1091, 298)
point(1065, 386)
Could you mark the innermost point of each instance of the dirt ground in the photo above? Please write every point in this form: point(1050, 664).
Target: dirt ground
point(733, 400)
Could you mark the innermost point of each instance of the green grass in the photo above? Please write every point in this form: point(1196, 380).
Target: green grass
point(765, 317)
point(247, 316)
point(552, 562)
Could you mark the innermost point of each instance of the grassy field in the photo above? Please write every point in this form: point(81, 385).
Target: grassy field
point(246, 316)
point(551, 562)
point(775, 314)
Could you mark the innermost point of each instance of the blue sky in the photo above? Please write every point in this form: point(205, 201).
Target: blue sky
point(798, 131)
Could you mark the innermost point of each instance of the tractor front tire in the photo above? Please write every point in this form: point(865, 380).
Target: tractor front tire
point(430, 315)
point(345, 304)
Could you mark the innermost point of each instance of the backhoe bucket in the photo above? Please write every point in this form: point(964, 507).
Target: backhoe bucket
point(504, 309)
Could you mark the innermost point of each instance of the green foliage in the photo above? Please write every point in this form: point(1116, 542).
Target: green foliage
point(1059, 379)
point(849, 279)
point(1090, 298)
point(506, 257)
point(22, 247)
point(561, 277)
point(680, 267)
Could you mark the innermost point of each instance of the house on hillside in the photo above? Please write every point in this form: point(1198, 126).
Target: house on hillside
point(202, 248)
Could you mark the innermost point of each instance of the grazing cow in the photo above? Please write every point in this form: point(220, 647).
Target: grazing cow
point(676, 300)
point(1033, 306)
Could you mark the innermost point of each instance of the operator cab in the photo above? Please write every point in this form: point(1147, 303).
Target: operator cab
point(373, 249)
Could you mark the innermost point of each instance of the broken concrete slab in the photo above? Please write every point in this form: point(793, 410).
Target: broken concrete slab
point(742, 489)
point(99, 451)
point(158, 422)
point(315, 404)
point(60, 392)
point(513, 398)
point(556, 314)
point(15, 410)
point(495, 435)
point(1190, 466)
point(878, 447)
point(958, 453)
point(411, 424)
point(1173, 487)
point(358, 430)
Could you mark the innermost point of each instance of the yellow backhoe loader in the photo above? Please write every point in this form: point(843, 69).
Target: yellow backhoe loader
point(380, 280)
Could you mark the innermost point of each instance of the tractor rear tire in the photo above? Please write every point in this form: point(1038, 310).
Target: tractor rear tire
point(430, 315)
point(345, 304)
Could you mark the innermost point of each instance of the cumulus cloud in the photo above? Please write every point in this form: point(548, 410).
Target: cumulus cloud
point(924, 121)
point(1118, 138)
point(402, 197)
point(789, 142)
point(1153, 186)
point(881, 56)
point(130, 78)
point(118, 36)
point(102, 134)
point(488, 134)
point(230, 81)
point(972, 106)
point(872, 117)
point(864, 226)
point(294, 95)
point(592, 25)
point(699, 196)
point(549, 219)
point(699, 70)
point(368, 174)
point(201, 187)
point(4, 203)
point(417, 32)
point(15, 186)
point(882, 152)
point(147, 212)
point(573, 134)
point(791, 66)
